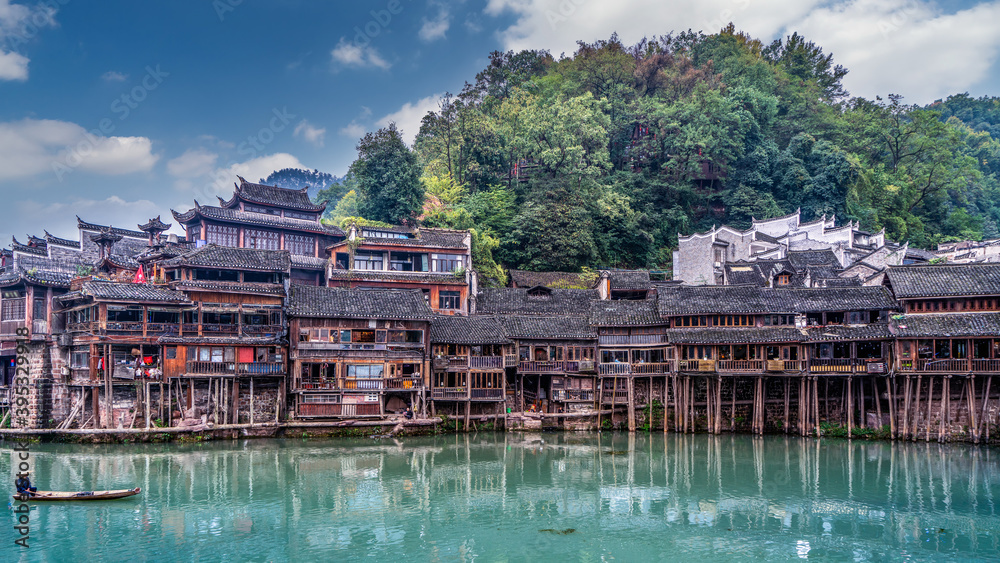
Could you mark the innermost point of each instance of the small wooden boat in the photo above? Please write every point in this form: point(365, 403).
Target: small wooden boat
point(79, 495)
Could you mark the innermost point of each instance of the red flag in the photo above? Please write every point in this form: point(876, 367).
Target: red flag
point(139, 276)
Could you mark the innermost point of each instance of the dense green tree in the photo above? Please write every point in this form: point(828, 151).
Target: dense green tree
point(388, 178)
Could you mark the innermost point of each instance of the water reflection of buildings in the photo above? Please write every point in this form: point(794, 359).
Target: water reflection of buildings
point(426, 493)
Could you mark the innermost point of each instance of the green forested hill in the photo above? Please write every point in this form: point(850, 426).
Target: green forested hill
point(618, 148)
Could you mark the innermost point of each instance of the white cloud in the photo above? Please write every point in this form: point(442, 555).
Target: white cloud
point(114, 76)
point(436, 28)
point(58, 215)
point(307, 131)
point(350, 54)
point(18, 25)
point(219, 182)
point(31, 146)
point(13, 66)
point(558, 24)
point(910, 47)
point(408, 117)
point(899, 46)
point(193, 163)
point(353, 129)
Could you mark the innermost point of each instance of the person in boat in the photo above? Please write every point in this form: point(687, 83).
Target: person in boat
point(23, 485)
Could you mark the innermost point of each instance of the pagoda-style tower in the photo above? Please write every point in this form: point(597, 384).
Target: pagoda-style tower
point(154, 228)
point(104, 241)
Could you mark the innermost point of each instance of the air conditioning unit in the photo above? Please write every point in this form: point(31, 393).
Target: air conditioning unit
point(65, 339)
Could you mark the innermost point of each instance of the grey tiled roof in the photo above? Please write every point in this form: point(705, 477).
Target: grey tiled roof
point(114, 291)
point(705, 300)
point(526, 279)
point(81, 224)
point(308, 262)
point(330, 302)
point(231, 258)
point(273, 195)
point(629, 279)
point(224, 340)
point(260, 219)
point(944, 280)
point(545, 328)
point(874, 331)
point(476, 329)
point(516, 301)
point(52, 239)
point(947, 324)
point(230, 287)
point(734, 335)
point(625, 313)
point(47, 278)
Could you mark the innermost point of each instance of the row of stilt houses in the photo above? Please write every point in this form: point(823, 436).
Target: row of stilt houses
point(261, 315)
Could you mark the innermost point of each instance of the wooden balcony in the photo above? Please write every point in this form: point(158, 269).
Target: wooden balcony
point(363, 383)
point(849, 365)
point(510, 361)
point(740, 366)
point(696, 365)
point(785, 365)
point(555, 366)
point(234, 368)
point(317, 385)
point(487, 394)
point(573, 395)
point(403, 383)
point(452, 363)
point(963, 365)
point(119, 327)
point(8, 329)
point(642, 368)
point(332, 409)
point(632, 340)
point(618, 396)
point(486, 362)
point(449, 393)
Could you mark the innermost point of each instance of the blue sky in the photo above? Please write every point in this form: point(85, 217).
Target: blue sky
point(118, 111)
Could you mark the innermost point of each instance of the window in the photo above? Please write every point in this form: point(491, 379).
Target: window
point(12, 309)
point(260, 209)
point(363, 336)
point(446, 262)
point(300, 215)
point(734, 320)
point(779, 320)
point(171, 352)
point(365, 370)
point(367, 261)
point(264, 240)
point(38, 311)
point(449, 300)
point(368, 233)
point(300, 245)
point(223, 235)
point(79, 360)
point(784, 279)
point(215, 275)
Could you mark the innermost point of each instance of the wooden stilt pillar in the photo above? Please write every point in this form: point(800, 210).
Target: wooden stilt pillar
point(971, 397)
point(890, 388)
point(930, 405)
point(816, 403)
point(784, 420)
point(916, 406)
point(630, 388)
point(850, 407)
point(732, 412)
point(982, 416)
point(718, 404)
point(863, 423)
point(878, 400)
point(666, 402)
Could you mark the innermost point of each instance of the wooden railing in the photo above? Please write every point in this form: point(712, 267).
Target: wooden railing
point(190, 329)
point(486, 362)
point(740, 366)
point(837, 365)
point(510, 360)
point(257, 330)
point(635, 339)
point(314, 385)
point(555, 366)
point(81, 327)
point(696, 365)
point(963, 365)
point(339, 409)
point(451, 362)
point(615, 368)
point(404, 383)
point(120, 326)
point(234, 368)
point(449, 393)
point(619, 396)
point(484, 394)
point(785, 365)
point(573, 395)
point(215, 328)
point(160, 328)
point(652, 368)
point(363, 383)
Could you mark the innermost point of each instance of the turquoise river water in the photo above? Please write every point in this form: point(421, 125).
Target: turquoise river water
point(515, 497)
